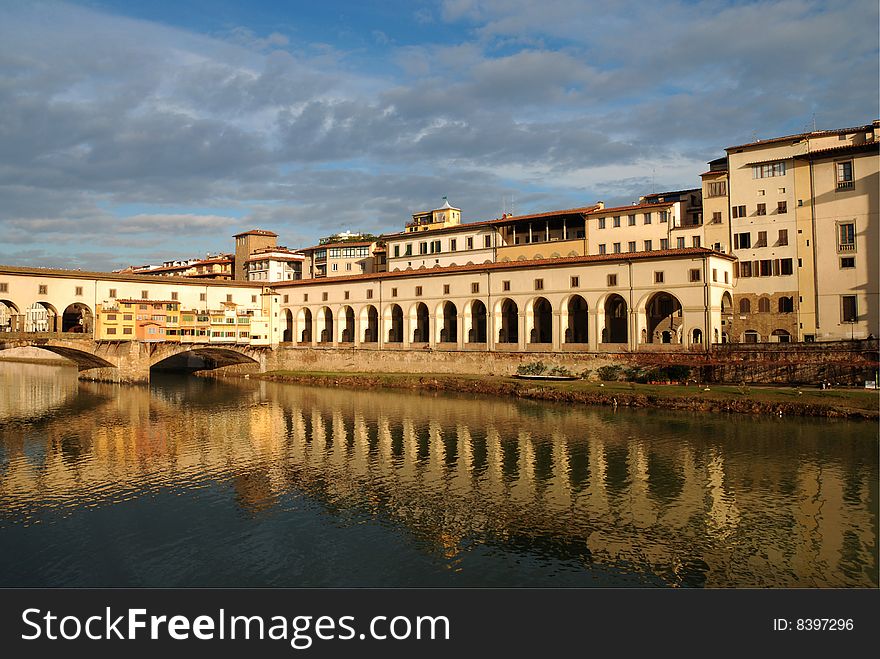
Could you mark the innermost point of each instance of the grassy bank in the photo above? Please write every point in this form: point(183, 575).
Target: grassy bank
point(778, 401)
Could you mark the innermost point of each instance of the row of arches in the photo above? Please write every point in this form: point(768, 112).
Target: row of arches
point(663, 315)
point(41, 317)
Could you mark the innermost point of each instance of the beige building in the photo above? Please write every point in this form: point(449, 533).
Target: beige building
point(583, 303)
point(338, 259)
point(248, 242)
point(272, 264)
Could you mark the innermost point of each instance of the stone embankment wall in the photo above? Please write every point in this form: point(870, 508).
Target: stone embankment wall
point(849, 362)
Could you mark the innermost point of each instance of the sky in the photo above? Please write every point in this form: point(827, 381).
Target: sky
point(140, 132)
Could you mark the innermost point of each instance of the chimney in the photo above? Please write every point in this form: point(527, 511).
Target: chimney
point(600, 205)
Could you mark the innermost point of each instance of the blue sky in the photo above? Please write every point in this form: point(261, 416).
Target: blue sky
point(140, 132)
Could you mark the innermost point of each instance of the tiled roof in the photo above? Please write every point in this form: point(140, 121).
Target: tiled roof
point(513, 265)
point(635, 207)
point(256, 232)
point(119, 276)
point(359, 243)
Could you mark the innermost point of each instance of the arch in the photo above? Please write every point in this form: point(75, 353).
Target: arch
point(420, 323)
point(371, 326)
point(346, 325)
point(288, 326)
point(77, 317)
point(304, 321)
point(538, 257)
point(616, 320)
point(199, 359)
point(9, 316)
point(663, 315)
point(745, 306)
point(84, 360)
point(697, 336)
point(578, 320)
point(508, 327)
point(325, 325)
point(786, 304)
point(395, 326)
point(572, 253)
point(764, 305)
point(781, 336)
point(41, 317)
point(479, 326)
point(542, 321)
point(449, 329)
point(751, 336)
point(726, 303)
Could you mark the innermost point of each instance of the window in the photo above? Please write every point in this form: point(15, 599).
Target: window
point(648, 246)
point(452, 244)
point(658, 277)
point(470, 243)
point(783, 237)
point(43, 289)
point(694, 274)
point(202, 297)
point(745, 306)
point(739, 211)
point(393, 292)
point(612, 280)
point(695, 241)
point(575, 282)
point(679, 242)
point(764, 305)
point(126, 330)
point(602, 248)
point(848, 262)
point(750, 336)
point(631, 246)
point(396, 251)
point(370, 294)
point(475, 287)
point(253, 297)
point(601, 222)
point(111, 330)
point(631, 220)
point(487, 241)
point(786, 304)
point(785, 267)
point(79, 290)
point(716, 189)
point(762, 209)
point(760, 193)
point(782, 207)
point(714, 274)
point(445, 289)
point(344, 295)
point(505, 285)
point(305, 297)
point(664, 243)
point(846, 237)
point(127, 316)
point(845, 175)
point(323, 297)
point(762, 239)
point(229, 297)
point(849, 312)
point(539, 284)
point(742, 240)
point(408, 250)
point(418, 291)
point(765, 268)
point(423, 248)
point(768, 169)
point(145, 295)
point(664, 217)
point(111, 316)
point(617, 248)
point(616, 222)
point(347, 266)
point(716, 217)
point(647, 218)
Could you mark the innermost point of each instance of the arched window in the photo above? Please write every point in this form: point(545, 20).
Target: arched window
point(750, 336)
point(786, 305)
point(745, 306)
point(764, 305)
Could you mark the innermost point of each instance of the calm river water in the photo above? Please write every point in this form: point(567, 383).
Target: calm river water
point(197, 482)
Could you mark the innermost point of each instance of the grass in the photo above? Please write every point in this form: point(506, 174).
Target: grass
point(861, 400)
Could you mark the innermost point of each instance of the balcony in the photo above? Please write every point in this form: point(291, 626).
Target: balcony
point(845, 185)
point(846, 247)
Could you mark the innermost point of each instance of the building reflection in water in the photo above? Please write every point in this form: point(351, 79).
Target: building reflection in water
point(688, 499)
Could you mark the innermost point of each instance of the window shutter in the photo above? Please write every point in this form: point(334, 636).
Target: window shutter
point(775, 267)
point(736, 269)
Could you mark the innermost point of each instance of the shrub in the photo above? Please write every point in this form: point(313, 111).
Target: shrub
point(610, 372)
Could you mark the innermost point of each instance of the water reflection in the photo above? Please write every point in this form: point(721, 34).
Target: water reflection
point(303, 486)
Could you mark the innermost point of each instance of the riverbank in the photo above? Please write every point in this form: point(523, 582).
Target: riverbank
point(776, 401)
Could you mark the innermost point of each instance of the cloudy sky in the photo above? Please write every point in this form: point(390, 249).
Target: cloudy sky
point(136, 132)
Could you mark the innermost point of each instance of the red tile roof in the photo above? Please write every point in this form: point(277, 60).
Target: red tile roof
point(256, 232)
point(513, 265)
point(622, 209)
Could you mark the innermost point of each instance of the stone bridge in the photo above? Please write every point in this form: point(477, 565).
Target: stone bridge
point(131, 361)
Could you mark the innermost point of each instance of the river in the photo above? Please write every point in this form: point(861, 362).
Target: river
point(228, 482)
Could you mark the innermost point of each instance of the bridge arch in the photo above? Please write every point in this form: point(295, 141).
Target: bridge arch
point(77, 317)
point(83, 359)
point(198, 358)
